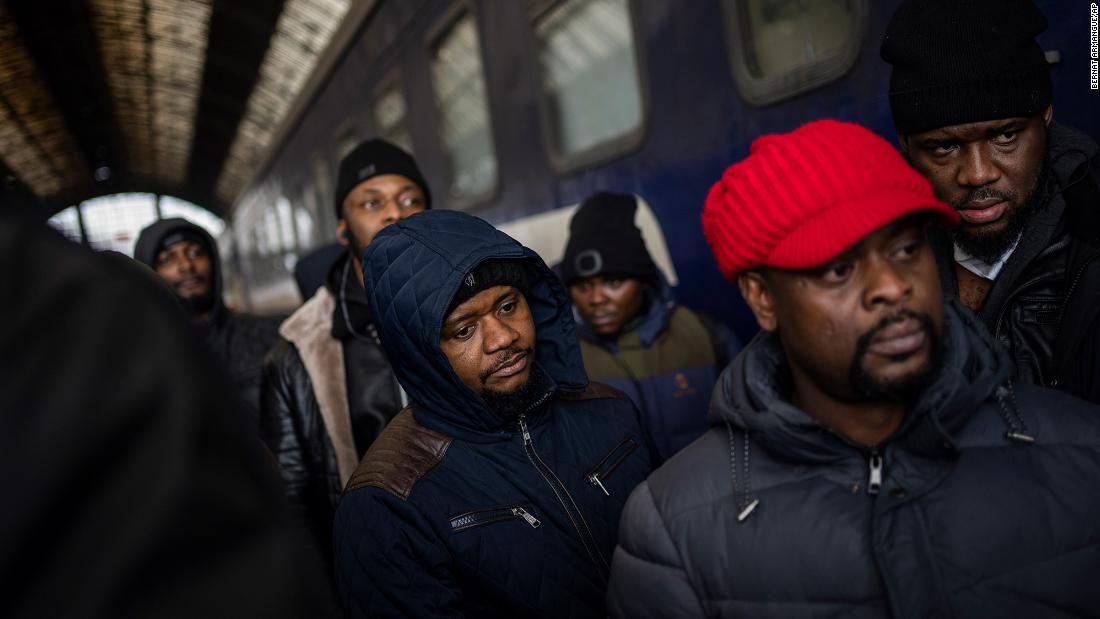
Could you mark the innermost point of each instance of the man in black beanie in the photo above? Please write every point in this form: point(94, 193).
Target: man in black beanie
point(328, 386)
point(633, 334)
point(970, 93)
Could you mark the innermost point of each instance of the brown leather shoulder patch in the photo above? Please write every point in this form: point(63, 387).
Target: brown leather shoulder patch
point(400, 456)
point(593, 391)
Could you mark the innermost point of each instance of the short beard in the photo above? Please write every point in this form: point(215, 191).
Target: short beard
point(990, 247)
point(908, 387)
point(198, 305)
point(521, 399)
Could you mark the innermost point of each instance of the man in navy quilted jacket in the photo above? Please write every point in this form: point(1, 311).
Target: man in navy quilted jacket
point(497, 492)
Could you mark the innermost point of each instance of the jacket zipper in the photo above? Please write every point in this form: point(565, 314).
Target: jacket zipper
point(482, 517)
point(562, 494)
point(874, 464)
point(603, 470)
point(1065, 304)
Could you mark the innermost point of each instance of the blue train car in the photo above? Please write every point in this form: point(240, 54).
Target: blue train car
point(517, 110)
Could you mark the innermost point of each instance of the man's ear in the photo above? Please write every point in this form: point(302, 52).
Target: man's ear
point(758, 296)
point(1048, 115)
point(342, 235)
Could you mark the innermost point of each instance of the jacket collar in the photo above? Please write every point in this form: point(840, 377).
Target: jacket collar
point(751, 395)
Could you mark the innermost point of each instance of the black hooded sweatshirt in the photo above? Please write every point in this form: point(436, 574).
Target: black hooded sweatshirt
point(239, 340)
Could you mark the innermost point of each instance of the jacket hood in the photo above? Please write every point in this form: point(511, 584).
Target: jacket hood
point(649, 325)
point(750, 395)
point(148, 246)
point(412, 270)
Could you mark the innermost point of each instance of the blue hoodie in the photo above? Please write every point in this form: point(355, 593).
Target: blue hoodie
point(456, 511)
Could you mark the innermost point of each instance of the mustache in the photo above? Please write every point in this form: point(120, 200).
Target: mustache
point(984, 193)
point(864, 341)
point(503, 358)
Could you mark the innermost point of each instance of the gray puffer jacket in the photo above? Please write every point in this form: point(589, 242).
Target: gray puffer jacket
point(987, 506)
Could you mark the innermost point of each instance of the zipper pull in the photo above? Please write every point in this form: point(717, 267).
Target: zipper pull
point(874, 484)
point(526, 515)
point(523, 429)
point(595, 481)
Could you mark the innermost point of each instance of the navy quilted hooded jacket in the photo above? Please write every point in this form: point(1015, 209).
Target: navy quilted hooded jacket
point(456, 511)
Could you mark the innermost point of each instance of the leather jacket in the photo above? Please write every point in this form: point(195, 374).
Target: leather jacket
point(1044, 307)
point(319, 414)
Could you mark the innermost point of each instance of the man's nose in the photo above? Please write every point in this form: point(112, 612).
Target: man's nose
point(977, 168)
point(499, 335)
point(885, 285)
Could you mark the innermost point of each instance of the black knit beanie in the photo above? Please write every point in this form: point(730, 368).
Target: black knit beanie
point(488, 274)
point(376, 157)
point(964, 61)
point(603, 240)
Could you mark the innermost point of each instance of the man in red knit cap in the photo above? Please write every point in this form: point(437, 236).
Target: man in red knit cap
point(868, 453)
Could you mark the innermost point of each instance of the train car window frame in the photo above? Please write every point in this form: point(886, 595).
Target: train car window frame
point(444, 25)
point(763, 91)
point(610, 148)
point(392, 81)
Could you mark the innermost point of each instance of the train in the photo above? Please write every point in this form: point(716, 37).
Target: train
point(517, 110)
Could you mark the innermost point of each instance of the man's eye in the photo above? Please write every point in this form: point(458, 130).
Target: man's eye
point(508, 307)
point(910, 249)
point(410, 202)
point(464, 332)
point(837, 272)
point(942, 149)
point(614, 283)
point(1006, 137)
point(372, 204)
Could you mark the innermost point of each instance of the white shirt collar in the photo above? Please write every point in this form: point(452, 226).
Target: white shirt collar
point(983, 269)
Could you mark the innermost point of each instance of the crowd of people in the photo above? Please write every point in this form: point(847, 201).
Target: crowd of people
point(450, 427)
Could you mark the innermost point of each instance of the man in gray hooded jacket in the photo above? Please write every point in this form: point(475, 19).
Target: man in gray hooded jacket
point(869, 454)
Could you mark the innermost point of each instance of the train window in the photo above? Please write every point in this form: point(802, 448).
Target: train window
point(781, 48)
point(458, 82)
point(391, 114)
point(287, 230)
point(348, 140)
point(591, 93)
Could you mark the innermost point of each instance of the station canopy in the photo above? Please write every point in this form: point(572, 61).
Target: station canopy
point(180, 97)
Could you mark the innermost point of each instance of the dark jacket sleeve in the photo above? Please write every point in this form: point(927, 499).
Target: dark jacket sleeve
point(647, 576)
point(281, 415)
point(390, 562)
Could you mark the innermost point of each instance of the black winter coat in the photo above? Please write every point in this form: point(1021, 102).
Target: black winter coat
point(1044, 306)
point(456, 511)
point(771, 515)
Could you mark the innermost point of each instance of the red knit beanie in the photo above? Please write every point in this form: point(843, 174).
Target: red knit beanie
point(801, 198)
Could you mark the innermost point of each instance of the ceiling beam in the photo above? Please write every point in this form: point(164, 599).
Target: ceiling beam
point(61, 40)
point(240, 33)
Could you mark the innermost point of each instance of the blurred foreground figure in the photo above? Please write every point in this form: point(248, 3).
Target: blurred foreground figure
point(185, 256)
point(869, 454)
point(971, 97)
point(328, 388)
point(131, 488)
point(634, 336)
point(497, 493)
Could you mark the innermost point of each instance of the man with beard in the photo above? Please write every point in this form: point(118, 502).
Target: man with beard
point(185, 256)
point(970, 93)
point(869, 453)
point(328, 387)
point(497, 493)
